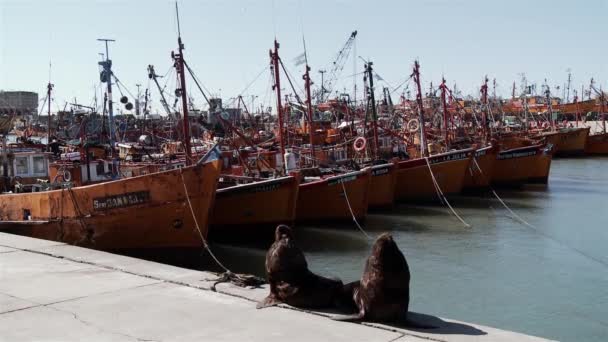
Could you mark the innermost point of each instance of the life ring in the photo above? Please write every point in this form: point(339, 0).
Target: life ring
point(413, 125)
point(359, 144)
point(67, 175)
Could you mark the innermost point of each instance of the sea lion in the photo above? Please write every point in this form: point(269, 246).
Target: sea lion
point(291, 281)
point(383, 293)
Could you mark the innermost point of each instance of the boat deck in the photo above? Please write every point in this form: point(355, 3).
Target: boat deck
point(53, 291)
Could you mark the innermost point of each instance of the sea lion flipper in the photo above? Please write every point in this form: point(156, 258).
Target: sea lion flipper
point(267, 302)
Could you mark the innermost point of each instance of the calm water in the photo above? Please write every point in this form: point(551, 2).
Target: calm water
point(549, 281)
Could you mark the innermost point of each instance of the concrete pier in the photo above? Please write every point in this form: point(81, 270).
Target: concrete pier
point(51, 291)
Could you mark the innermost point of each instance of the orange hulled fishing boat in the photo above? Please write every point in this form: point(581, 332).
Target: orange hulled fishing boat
point(540, 172)
point(597, 144)
point(567, 141)
point(415, 180)
point(264, 203)
point(149, 211)
point(382, 186)
point(484, 159)
point(337, 197)
point(513, 167)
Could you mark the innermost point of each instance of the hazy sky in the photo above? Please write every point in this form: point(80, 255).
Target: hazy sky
point(227, 42)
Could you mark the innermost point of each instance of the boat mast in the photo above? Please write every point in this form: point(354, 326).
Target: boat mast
point(577, 113)
point(48, 94)
point(179, 65)
point(107, 76)
point(416, 76)
point(603, 109)
point(274, 60)
point(309, 111)
point(484, 112)
point(445, 113)
point(549, 107)
point(372, 98)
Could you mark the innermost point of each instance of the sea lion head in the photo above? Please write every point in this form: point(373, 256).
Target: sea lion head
point(283, 232)
point(385, 251)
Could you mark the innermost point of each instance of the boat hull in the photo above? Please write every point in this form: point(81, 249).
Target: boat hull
point(568, 142)
point(540, 172)
point(475, 179)
point(263, 204)
point(149, 211)
point(414, 180)
point(597, 144)
point(324, 199)
point(514, 167)
point(382, 186)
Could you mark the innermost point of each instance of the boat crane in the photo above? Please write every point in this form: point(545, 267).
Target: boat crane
point(337, 67)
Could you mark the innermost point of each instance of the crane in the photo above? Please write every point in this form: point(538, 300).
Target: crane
point(337, 66)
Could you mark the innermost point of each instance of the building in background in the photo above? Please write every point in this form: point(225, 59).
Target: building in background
point(18, 102)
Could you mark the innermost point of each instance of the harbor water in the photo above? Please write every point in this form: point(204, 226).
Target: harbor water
point(548, 279)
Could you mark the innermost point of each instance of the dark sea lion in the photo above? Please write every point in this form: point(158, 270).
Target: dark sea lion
point(383, 293)
point(291, 281)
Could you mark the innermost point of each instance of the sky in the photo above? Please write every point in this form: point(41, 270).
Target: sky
point(227, 43)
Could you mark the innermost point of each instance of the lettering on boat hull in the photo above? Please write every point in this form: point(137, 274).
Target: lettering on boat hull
point(120, 201)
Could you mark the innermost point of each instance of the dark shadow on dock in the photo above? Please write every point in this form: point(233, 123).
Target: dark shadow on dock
point(441, 327)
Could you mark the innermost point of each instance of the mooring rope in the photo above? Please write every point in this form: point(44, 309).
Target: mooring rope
point(242, 280)
point(353, 214)
point(519, 218)
point(538, 231)
point(442, 196)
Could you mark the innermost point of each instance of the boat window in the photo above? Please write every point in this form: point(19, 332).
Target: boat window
point(39, 164)
point(100, 169)
point(22, 165)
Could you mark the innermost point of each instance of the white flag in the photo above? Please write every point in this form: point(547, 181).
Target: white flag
point(300, 59)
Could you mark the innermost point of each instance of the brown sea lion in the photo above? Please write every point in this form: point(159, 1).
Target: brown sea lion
point(291, 281)
point(383, 293)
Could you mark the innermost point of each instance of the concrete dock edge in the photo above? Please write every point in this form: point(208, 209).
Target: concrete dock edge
point(51, 291)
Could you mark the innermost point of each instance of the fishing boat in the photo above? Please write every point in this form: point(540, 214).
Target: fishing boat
point(254, 203)
point(567, 141)
point(481, 168)
point(597, 144)
point(382, 185)
point(335, 198)
point(428, 176)
point(514, 167)
point(416, 181)
point(540, 173)
point(150, 211)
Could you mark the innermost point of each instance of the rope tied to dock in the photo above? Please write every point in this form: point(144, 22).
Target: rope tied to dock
point(353, 214)
point(242, 280)
point(442, 196)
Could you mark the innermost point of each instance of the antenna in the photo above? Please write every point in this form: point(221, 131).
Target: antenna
point(106, 41)
point(179, 34)
point(305, 54)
